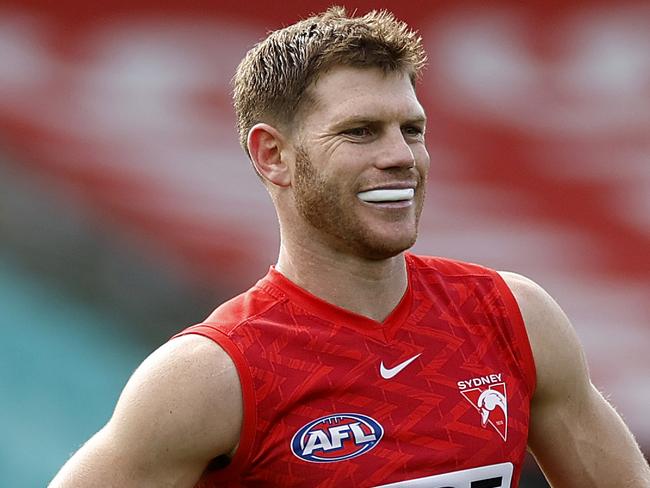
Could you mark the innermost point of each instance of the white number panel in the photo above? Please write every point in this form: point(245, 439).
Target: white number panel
point(495, 476)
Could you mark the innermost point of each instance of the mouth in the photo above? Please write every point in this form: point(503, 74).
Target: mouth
point(485, 414)
point(387, 195)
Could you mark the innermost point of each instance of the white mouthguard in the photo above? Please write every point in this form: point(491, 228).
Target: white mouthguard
point(386, 195)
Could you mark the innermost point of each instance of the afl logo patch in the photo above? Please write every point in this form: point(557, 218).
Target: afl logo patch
point(336, 437)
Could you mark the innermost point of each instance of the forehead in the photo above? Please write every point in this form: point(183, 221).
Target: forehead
point(350, 93)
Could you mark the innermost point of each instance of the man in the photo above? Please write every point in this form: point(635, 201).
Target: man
point(354, 363)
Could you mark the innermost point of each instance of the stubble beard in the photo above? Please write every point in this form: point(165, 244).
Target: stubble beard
point(321, 203)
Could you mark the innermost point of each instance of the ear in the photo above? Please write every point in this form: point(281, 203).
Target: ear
point(265, 144)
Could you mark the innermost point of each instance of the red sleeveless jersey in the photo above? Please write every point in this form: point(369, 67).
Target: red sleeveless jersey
point(437, 395)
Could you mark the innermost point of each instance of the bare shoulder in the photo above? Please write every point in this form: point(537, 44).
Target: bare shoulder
point(556, 348)
point(542, 315)
point(190, 385)
point(179, 410)
point(535, 303)
point(576, 436)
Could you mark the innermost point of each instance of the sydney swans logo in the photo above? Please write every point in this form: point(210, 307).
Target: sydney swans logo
point(488, 395)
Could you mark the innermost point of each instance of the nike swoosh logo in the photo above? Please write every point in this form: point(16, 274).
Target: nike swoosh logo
point(388, 373)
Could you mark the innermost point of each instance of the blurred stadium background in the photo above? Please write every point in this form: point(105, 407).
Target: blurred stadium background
point(128, 211)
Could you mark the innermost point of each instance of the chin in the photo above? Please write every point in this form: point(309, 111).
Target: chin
point(386, 248)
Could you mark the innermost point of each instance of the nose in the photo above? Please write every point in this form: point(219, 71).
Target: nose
point(394, 151)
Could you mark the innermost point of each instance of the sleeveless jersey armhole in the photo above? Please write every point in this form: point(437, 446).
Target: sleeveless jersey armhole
point(249, 419)
point(519, 329)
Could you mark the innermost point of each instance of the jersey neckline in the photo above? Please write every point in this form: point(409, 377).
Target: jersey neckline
point(275, 282)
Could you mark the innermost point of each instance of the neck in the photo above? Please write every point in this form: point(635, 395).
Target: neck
point(372, 288)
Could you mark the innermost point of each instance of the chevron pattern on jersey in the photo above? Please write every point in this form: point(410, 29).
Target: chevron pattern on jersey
point(310, 360)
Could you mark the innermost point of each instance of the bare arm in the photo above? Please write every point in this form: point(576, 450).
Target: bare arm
point(180, 409)
point(576, 436)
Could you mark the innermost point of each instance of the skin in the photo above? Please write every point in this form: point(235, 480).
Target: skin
point(366, 131)
point(182, 407)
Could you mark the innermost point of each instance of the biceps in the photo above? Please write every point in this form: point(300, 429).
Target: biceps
point(94, 464)
point(108, 460)
point(583, 443)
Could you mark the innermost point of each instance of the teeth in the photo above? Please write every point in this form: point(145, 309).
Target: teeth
point(386, 195)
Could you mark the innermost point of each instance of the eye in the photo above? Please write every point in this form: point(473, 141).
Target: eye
point(413, 131)
point(358, 132)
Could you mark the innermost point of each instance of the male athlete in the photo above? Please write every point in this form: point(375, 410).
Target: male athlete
point(353, 363)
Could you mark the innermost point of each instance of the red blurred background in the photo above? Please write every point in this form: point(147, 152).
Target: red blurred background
point(119, 152)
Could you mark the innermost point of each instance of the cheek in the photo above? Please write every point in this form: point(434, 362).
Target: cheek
point(422, 160)
point(342, 173)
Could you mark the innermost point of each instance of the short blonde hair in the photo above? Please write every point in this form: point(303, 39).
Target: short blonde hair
point(271, 82)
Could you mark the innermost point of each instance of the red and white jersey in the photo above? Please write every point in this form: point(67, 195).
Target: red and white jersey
point(436, 395)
